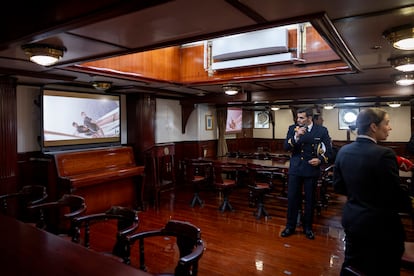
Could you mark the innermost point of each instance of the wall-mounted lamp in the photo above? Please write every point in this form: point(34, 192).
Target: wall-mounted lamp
point(404, 79)
point(401, 37)
point(102, 85)
point(43, 54)
point(231, 89)
point(329, 106)
point(394, 104)
point(403, 64)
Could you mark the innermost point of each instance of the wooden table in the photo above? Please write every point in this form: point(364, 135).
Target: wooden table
point(272, 166)
point(26, 250)
point(245, 161)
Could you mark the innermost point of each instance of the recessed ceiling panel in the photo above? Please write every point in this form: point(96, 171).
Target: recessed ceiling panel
point(168, 22)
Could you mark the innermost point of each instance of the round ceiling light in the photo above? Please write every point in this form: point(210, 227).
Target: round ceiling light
point(329, 106)
point(43, 54)
point(394, 104)
point(405, 79)
point(102, 85)
point(403, 64)
point(231, 89)
point(401, 37)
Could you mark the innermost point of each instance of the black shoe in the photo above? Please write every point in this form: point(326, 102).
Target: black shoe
point(309, 234)
point(287, 232)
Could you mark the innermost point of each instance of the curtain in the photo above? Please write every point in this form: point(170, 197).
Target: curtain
point(221, 124)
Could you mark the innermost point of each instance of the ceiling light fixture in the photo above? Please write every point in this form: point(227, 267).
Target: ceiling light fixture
point(329, 106)
point(394, 104)
point(401, 37)
point(274, 107)
point(405, 79)
point(403, 64)
point(43, 54)
point(102, 85)
point(231, 89)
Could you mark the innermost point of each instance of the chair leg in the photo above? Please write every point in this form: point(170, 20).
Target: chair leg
point(225, 205)
point(196, 200)
point(261, 210)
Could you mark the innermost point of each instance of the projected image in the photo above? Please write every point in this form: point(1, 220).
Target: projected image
point(70, 117)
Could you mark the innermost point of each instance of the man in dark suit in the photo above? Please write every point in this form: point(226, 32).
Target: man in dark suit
point(368, 175)
point(310, 146)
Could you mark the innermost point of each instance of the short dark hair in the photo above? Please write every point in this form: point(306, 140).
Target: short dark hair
point(368, 116)
point(307, 110)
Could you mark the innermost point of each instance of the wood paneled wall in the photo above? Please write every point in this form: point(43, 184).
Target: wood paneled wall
point(8, 137)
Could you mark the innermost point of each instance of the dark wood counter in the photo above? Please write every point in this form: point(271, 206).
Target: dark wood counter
point(27, 250)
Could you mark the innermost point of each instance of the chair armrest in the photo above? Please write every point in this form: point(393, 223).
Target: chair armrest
point(43, 205)
point(56, 204)
point(75, 213)
point(128, 230)
point(141, 235)
point(196, 254)
point(6, 196)
point(38, 200)
point(98, 217)
point(90, 218)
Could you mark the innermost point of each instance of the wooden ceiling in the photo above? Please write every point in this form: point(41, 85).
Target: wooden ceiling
point(93, 30)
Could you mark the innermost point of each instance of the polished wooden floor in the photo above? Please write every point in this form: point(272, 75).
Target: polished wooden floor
point(239, 244)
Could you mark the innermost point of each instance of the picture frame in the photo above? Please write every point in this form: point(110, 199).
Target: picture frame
point(261, 119)
point(347, 118)
point(209, 122)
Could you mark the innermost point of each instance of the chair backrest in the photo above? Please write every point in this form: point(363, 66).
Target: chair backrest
point(56, 216)
point(126, 222)
point(230, 170)
point(197, 167)
point(15, 204)
point(188, 240)
point(258, 174)
point(166, 168)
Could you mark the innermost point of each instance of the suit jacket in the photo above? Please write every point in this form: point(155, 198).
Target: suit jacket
point(306, 148)
point(368, 174)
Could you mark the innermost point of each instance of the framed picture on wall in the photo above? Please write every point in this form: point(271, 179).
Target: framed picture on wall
point(261, 119)
point(347, 117)
point(209, 122)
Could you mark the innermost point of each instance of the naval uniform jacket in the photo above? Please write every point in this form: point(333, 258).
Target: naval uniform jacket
point(368, 175)
point(306, 148)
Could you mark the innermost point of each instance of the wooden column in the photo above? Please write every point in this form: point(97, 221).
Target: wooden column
point(8, 137)
point(141, 124)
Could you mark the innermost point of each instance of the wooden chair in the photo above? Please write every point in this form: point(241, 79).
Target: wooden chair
point(187, 239)
point(282, 160)
point(225, 185)
point(322, 196)
point(198, 174)
point(56, 216)
point(260, 184)
point(15, 204)
point(161, 167)
point(126, 222)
